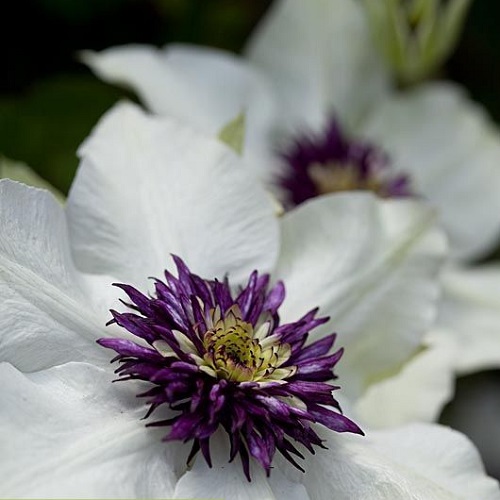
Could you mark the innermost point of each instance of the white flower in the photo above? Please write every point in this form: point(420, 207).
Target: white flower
point(305, 61)
point(148, 187)
point(314, 58)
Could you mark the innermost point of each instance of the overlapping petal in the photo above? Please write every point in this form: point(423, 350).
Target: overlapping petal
point(18, 171)
point(417, 462)
point(452, 152)
point(371, 266)
point(416, 392)
point(469, 316)
point(69, 433)
point(148, 187)
point(44, 311)
point(201, 86)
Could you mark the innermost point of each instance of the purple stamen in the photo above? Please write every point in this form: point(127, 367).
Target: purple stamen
point(224, 361)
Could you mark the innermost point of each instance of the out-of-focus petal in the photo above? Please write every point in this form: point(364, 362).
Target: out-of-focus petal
point(320, 58)
point(452, 152)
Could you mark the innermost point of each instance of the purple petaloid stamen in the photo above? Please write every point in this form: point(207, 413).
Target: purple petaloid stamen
point(223, 360)
point(329, 162)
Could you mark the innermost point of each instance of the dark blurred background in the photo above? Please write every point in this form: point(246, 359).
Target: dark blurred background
point(49, 102)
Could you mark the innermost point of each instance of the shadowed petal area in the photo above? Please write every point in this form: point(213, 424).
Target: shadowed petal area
point(147, 186)
point(371, 266)
point(45, 315)
point(320, 56)
point(67, 432)
point(451, 150)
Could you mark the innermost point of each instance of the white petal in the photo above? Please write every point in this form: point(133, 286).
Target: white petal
point(148, 186)
point(45, 316)
point(227, 481)
point(416, 393)
point(320, 57)
point(371, 266)
point(452, 151)
point(204, 87)
point(445, 458)
point(417, 462)
point(68, 432)
point(470, 316)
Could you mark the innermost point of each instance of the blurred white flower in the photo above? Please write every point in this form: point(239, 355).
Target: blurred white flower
point(312, 59)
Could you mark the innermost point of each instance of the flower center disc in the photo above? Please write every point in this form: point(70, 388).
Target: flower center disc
point(235, 352)
point(334, 177)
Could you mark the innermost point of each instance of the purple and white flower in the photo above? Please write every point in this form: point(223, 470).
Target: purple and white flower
point(147, 188)
point(311, 62)
point(225, 361)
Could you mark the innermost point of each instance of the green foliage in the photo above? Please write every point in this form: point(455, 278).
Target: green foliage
point(45, 127)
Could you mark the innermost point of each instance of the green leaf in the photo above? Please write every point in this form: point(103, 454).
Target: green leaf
point(233, 134)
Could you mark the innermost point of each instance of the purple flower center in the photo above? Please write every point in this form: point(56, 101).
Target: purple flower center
point(218, 359)
point(330, 163)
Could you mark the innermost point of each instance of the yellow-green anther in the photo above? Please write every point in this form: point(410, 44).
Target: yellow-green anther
point(234, 351)
point(416, 36)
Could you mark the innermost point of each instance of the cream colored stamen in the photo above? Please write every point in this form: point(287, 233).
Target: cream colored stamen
point(334, 177)
point(235, 352)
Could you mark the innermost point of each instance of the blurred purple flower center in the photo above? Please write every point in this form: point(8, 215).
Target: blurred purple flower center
point(330, 163)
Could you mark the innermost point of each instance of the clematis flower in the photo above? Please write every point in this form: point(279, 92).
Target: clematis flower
point(307, 62)
point(149, 187)
point(323, 116)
